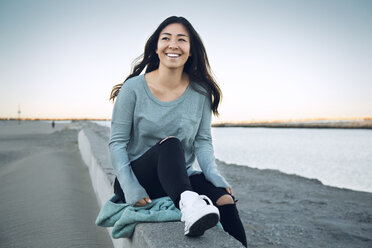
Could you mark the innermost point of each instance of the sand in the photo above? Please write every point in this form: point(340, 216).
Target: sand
point(46, 195)
point(47, 198)
point(280, 210)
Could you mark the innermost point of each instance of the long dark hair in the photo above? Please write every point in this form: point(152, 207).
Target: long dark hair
point(197, 66)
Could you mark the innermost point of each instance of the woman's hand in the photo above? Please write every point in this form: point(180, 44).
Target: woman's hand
point(143, 202)
point(229, 191)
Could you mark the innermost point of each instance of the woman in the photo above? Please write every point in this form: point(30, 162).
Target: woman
point(161, 122)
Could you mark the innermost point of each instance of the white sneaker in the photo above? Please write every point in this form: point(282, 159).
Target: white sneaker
point(198, 214)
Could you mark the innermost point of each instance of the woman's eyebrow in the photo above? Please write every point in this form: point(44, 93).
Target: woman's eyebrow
point(177, 34)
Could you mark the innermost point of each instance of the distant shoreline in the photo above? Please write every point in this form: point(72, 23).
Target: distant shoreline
point(54, 119)
point(352, 124)
point(362, 123)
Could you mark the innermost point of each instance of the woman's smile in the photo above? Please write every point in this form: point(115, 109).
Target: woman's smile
point(173, 55)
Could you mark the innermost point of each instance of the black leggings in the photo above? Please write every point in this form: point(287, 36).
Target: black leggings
point(162, 172)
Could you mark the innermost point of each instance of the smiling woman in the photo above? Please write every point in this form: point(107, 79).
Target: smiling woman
point(196, 67)
point(161, 122)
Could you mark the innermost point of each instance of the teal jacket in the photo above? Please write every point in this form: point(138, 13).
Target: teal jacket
point(124, 217)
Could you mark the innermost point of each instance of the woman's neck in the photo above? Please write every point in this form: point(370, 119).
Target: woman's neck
point(170, 78)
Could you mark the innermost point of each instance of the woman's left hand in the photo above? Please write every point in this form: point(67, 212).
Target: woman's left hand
point(229, 191)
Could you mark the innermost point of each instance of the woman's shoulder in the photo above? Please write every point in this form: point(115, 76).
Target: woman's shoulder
point(199, 90)
point(133, 83)
point(131, 88)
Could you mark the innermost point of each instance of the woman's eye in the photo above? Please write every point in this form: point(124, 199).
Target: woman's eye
point(182, 40)
point(164, 38)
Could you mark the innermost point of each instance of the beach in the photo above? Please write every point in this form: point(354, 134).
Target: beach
point(47, 198)
point(281, 210)
point(46, 195)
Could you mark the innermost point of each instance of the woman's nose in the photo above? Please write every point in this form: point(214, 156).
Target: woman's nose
point(173, 44)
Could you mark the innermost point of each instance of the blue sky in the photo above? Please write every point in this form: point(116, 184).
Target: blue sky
point(273, 59)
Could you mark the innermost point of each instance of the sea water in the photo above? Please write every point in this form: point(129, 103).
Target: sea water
point(336, 157)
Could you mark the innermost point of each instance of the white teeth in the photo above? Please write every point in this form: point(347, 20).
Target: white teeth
point(173, 55)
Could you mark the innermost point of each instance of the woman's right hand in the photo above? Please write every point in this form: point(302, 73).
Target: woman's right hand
point(143, 202)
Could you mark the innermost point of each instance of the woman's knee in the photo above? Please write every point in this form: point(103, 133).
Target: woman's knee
point(225, 199)
point(168, 138)
point(170, 142)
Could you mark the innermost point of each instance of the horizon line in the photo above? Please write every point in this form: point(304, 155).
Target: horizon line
point(253, 121)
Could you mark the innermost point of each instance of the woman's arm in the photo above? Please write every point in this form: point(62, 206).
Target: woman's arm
point(121, 127)
point(204, 149)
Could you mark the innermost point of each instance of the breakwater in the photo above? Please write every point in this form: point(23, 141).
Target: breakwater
point(93, 145)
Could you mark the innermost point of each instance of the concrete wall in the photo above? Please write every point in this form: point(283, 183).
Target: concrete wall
point(93, 144)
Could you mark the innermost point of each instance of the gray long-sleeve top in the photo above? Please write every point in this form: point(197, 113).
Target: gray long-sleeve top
point(140, 120)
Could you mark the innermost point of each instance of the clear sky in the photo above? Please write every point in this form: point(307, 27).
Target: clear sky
point(280, 59)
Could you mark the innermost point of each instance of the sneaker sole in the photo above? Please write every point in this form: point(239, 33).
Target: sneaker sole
point(203, 224)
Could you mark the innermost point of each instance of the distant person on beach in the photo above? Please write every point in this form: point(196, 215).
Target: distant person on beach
point(53, 124)
point(161, 122)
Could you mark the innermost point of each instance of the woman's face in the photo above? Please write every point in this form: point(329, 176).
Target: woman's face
point(173, 46)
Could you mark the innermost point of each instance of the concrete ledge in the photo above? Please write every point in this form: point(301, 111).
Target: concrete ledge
point(93, 144)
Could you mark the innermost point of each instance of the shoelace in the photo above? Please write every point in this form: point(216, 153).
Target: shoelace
point(206, 198)
point(200, 201)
